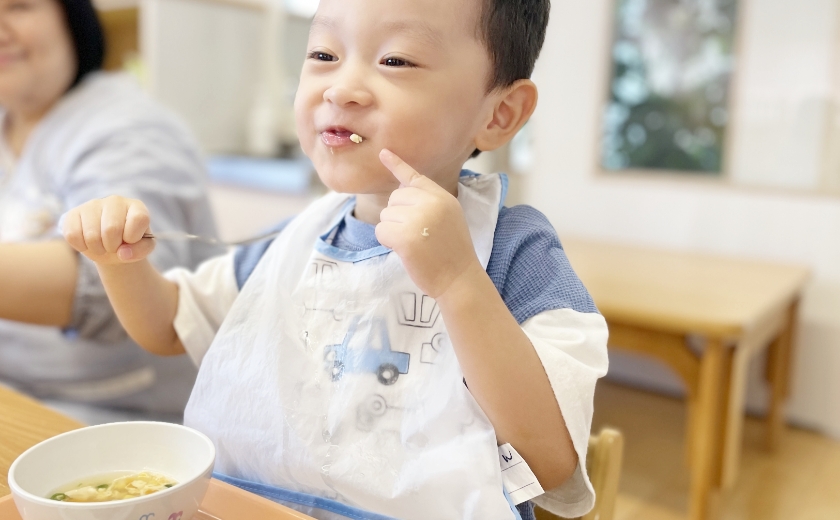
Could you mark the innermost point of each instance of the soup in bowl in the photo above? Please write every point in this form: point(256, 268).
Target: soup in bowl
point(118, 471)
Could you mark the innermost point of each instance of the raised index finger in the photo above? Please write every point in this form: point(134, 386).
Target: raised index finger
point(404, 173)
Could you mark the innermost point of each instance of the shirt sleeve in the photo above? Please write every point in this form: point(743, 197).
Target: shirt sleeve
point(554, 309)
point(92, 316)
point(248, 256)
point(572, 347)
point(530, 268)
point(205, 297)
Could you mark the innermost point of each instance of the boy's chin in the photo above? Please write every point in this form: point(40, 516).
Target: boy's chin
point(356, 180)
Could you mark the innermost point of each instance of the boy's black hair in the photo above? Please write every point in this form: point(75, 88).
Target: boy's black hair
point(513, 31)
point(88, 38)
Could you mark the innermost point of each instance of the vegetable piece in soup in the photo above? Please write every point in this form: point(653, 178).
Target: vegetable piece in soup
point(106, 489)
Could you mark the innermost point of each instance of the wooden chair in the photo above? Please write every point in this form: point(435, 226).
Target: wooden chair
point(121, 28)
point(603, 462)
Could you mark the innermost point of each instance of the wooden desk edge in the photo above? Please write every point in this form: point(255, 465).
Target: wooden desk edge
point(24, 423)
point(682, 325)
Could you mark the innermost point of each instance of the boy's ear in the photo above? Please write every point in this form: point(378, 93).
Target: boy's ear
point(513, 107)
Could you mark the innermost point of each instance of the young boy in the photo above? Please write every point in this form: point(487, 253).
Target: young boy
point(369, 361)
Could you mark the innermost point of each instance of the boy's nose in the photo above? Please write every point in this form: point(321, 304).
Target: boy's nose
point(346, 93)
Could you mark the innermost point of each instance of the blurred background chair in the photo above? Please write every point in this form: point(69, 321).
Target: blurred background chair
point(603, 463)
point(121, 36)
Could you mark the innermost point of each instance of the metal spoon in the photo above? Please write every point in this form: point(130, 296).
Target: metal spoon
point(180, 235)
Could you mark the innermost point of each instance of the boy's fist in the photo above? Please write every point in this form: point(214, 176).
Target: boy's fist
point(109, 231)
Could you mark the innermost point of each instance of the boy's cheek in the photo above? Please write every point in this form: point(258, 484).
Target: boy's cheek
point(302, 126)
point(304, 121)
point(306, 143)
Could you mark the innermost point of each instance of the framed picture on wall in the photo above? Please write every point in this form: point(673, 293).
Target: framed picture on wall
point(671, 69)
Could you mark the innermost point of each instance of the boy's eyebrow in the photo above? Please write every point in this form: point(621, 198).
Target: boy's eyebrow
point(416, 30)
point(321, 22)
point(413, 29)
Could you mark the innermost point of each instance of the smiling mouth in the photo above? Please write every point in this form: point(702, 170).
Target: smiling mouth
point(339, 136)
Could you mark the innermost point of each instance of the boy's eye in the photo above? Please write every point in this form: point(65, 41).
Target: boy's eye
point(397, 62)
point(321, 56)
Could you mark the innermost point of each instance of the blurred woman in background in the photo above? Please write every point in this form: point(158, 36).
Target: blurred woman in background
point(71, 133)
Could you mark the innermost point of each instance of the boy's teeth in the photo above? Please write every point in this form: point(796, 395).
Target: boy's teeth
point(356, 138)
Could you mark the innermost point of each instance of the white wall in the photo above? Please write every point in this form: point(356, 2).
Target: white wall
point(242, 212)
point(207, 60)
point(202, 60)
point(701, 216)
point(784, 92)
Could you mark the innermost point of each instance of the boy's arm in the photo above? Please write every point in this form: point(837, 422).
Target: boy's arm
point(425, 226)
point(110, 233)
point(506, 377)
point(145, 303)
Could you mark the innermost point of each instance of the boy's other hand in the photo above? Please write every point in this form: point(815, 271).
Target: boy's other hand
point(109, 231)
point(426, 227)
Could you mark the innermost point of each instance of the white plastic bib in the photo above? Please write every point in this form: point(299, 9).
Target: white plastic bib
point(332, 381)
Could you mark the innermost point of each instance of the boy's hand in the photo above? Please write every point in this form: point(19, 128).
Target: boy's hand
point(425, 225)
point(109, 231)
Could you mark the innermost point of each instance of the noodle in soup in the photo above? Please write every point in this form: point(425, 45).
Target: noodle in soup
point(111, 487)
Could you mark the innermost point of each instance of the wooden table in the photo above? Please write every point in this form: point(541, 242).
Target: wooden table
point(706, 317)
point(24, 423)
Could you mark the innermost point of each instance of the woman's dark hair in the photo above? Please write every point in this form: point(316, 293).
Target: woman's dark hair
point(87, 34)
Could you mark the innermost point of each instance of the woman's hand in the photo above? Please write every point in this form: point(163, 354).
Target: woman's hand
point(109, 231)
point(425, 226)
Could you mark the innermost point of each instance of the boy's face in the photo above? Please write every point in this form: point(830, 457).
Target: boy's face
point(407, 75)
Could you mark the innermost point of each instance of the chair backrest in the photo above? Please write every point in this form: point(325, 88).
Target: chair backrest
point(603, 463)
point(121, 28)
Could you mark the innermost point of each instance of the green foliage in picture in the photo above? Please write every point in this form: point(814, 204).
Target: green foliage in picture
point(672, 62)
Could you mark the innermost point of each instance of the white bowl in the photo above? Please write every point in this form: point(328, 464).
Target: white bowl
point(176, 451)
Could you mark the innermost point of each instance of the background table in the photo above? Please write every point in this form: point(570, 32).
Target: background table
point(24, 423)
point(706, 317)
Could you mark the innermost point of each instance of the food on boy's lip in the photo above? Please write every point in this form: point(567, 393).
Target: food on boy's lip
point(110, 488)
point(356, 138)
